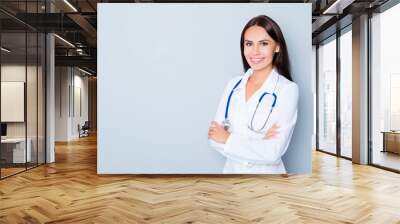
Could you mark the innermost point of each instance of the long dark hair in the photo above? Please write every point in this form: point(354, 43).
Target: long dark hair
point(281, 59)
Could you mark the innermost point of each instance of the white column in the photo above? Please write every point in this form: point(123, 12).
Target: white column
point(50, 92)
point(360, 90)
point(50, 100)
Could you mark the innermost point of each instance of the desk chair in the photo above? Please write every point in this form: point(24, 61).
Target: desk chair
point(84, 130)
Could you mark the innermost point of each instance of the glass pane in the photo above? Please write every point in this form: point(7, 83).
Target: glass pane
point(41, 99)
point(327, 97)
point(386, 89)
point(31, 101)
point(346, 94)
point(13, 86)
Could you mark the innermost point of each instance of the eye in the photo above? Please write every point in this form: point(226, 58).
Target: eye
point(247, 44)
point(264, 43)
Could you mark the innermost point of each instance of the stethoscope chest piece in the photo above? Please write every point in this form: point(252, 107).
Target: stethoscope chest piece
point(226, 124)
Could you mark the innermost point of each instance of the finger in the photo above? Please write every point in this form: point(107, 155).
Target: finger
point(274, 133)
point(271, 131)
point(275, 126)
point(268, 137)
point(271, 135)
point(212, 137)
point(215, 128)
point(219, 128)
point(216, 124)
point(274, 129)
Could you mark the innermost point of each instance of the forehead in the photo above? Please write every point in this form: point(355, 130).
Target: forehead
point(256, 33)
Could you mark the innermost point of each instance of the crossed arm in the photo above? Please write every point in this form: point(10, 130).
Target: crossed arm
point(267, 149)
point(218, 134)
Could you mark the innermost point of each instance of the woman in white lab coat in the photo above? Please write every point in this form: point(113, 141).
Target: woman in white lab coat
point(258, 111)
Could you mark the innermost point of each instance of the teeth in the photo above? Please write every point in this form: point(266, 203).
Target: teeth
point(256, 60)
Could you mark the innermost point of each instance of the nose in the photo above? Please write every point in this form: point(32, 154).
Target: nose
point(256, 49)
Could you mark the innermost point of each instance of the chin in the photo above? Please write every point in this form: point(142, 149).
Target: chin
point(258, 67)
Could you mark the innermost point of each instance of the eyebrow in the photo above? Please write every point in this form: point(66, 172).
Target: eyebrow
point(258, 41)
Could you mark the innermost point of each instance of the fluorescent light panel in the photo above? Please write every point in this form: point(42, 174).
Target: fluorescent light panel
point(70, 5)
point(64, 40)
point(84, 71)
point(5, 50)
point(338, 6)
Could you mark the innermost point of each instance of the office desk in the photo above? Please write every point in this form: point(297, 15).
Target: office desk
point(15, 148)
point(391, 141)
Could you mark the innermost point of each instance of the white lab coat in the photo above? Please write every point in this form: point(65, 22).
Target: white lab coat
point(246, 151)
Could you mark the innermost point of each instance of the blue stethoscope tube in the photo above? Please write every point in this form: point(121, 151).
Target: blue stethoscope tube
point(226, 122)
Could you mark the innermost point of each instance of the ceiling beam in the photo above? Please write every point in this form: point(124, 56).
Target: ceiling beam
point(84, 61)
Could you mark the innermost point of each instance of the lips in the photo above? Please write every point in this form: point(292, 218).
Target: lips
point(256, 60)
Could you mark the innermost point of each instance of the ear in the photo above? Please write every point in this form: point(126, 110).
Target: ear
point(277, 49)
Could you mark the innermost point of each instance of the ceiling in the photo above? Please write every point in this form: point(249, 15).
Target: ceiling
point(76, 22)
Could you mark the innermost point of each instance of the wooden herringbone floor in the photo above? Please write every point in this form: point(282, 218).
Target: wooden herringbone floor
point(70, 191)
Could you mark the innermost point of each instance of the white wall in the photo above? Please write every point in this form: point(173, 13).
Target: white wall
point(62, 81)
point(69, 84)
point(80, 112)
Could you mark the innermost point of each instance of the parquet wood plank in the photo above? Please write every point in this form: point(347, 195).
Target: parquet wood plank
point(70, 191)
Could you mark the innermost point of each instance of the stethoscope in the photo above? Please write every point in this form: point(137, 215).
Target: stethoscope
point(227, 124)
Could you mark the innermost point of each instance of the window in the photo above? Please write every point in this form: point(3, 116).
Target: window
point(22, 66)
point(385, 89)
point(327, 96)
point(346, 93)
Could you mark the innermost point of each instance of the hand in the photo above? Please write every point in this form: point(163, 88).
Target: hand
point(217, 133)
point(272, 132)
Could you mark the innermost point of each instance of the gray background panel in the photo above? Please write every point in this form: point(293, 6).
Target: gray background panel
point(162, 69)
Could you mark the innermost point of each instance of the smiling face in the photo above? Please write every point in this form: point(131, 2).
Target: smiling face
point(259, 48)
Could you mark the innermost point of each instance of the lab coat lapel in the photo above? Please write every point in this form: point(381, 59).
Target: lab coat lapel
point(269, 84)
point(241, 97)
point(242, 86)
